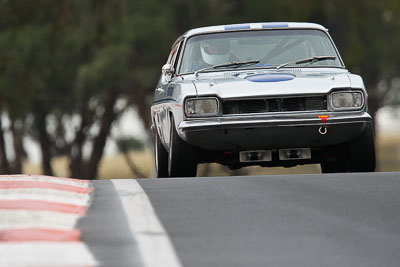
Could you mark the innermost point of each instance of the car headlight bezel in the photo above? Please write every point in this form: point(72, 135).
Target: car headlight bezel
point(356, 97)
point(195, 107)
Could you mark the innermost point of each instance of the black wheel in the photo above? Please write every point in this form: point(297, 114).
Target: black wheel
point(335, 160)
point(160, 157)
point(362, 152)
point(334, 167)
point(181, 156)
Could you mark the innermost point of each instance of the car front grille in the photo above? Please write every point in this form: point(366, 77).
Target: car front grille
point(267, 105)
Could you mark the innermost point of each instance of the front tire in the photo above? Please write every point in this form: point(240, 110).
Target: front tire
point(181, 156)
point(161, 157)
point(333, 167)
point(336, 162)
point(357, 155)
point(362, 152)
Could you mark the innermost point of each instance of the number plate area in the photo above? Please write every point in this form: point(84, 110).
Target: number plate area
point(266, 155)
point(294, 153)
point(255, 155)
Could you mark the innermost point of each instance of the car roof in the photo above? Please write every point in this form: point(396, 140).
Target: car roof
point(254, 26)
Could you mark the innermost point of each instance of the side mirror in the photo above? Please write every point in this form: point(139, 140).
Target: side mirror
point(168, 69)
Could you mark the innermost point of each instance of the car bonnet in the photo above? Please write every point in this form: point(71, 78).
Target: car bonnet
point(253, 84)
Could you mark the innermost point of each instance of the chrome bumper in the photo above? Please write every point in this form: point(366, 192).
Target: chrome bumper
point(273, 131)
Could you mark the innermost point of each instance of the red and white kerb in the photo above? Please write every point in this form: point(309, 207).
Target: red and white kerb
point(38, 216)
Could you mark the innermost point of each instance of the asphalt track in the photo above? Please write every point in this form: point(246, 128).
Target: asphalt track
point(280, 220)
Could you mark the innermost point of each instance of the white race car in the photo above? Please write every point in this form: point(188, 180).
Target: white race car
point(269, 94)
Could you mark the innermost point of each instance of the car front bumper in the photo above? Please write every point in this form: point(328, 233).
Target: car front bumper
point(246, 132)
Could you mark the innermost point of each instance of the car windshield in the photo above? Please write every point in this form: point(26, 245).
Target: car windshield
point(271, 47)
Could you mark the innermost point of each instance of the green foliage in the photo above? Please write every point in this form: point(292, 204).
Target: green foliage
point(107, 69)
point(125, 144)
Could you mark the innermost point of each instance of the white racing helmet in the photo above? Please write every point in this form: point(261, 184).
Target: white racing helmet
point(215, 51)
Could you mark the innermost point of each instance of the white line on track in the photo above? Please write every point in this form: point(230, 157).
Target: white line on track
point(16, 219)
point(153, 241)
point(52, 195)
point(45, 254)
point(47, 179)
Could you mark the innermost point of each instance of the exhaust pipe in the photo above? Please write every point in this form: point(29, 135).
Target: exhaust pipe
point(322, 130)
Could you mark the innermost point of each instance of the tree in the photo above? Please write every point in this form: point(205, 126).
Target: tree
point(125, 145)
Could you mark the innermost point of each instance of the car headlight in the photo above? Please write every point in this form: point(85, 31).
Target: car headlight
point(201, 107)
point(347, 100)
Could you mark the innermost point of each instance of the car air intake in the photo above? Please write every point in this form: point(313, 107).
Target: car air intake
point(268, 105)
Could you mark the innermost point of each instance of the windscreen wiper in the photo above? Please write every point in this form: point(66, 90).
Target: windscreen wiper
point(228, 64)
point(310, 59)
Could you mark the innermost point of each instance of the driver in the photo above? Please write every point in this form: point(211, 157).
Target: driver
point(217, 51)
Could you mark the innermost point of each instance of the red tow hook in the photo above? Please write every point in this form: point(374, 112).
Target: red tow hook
point(323, 130)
